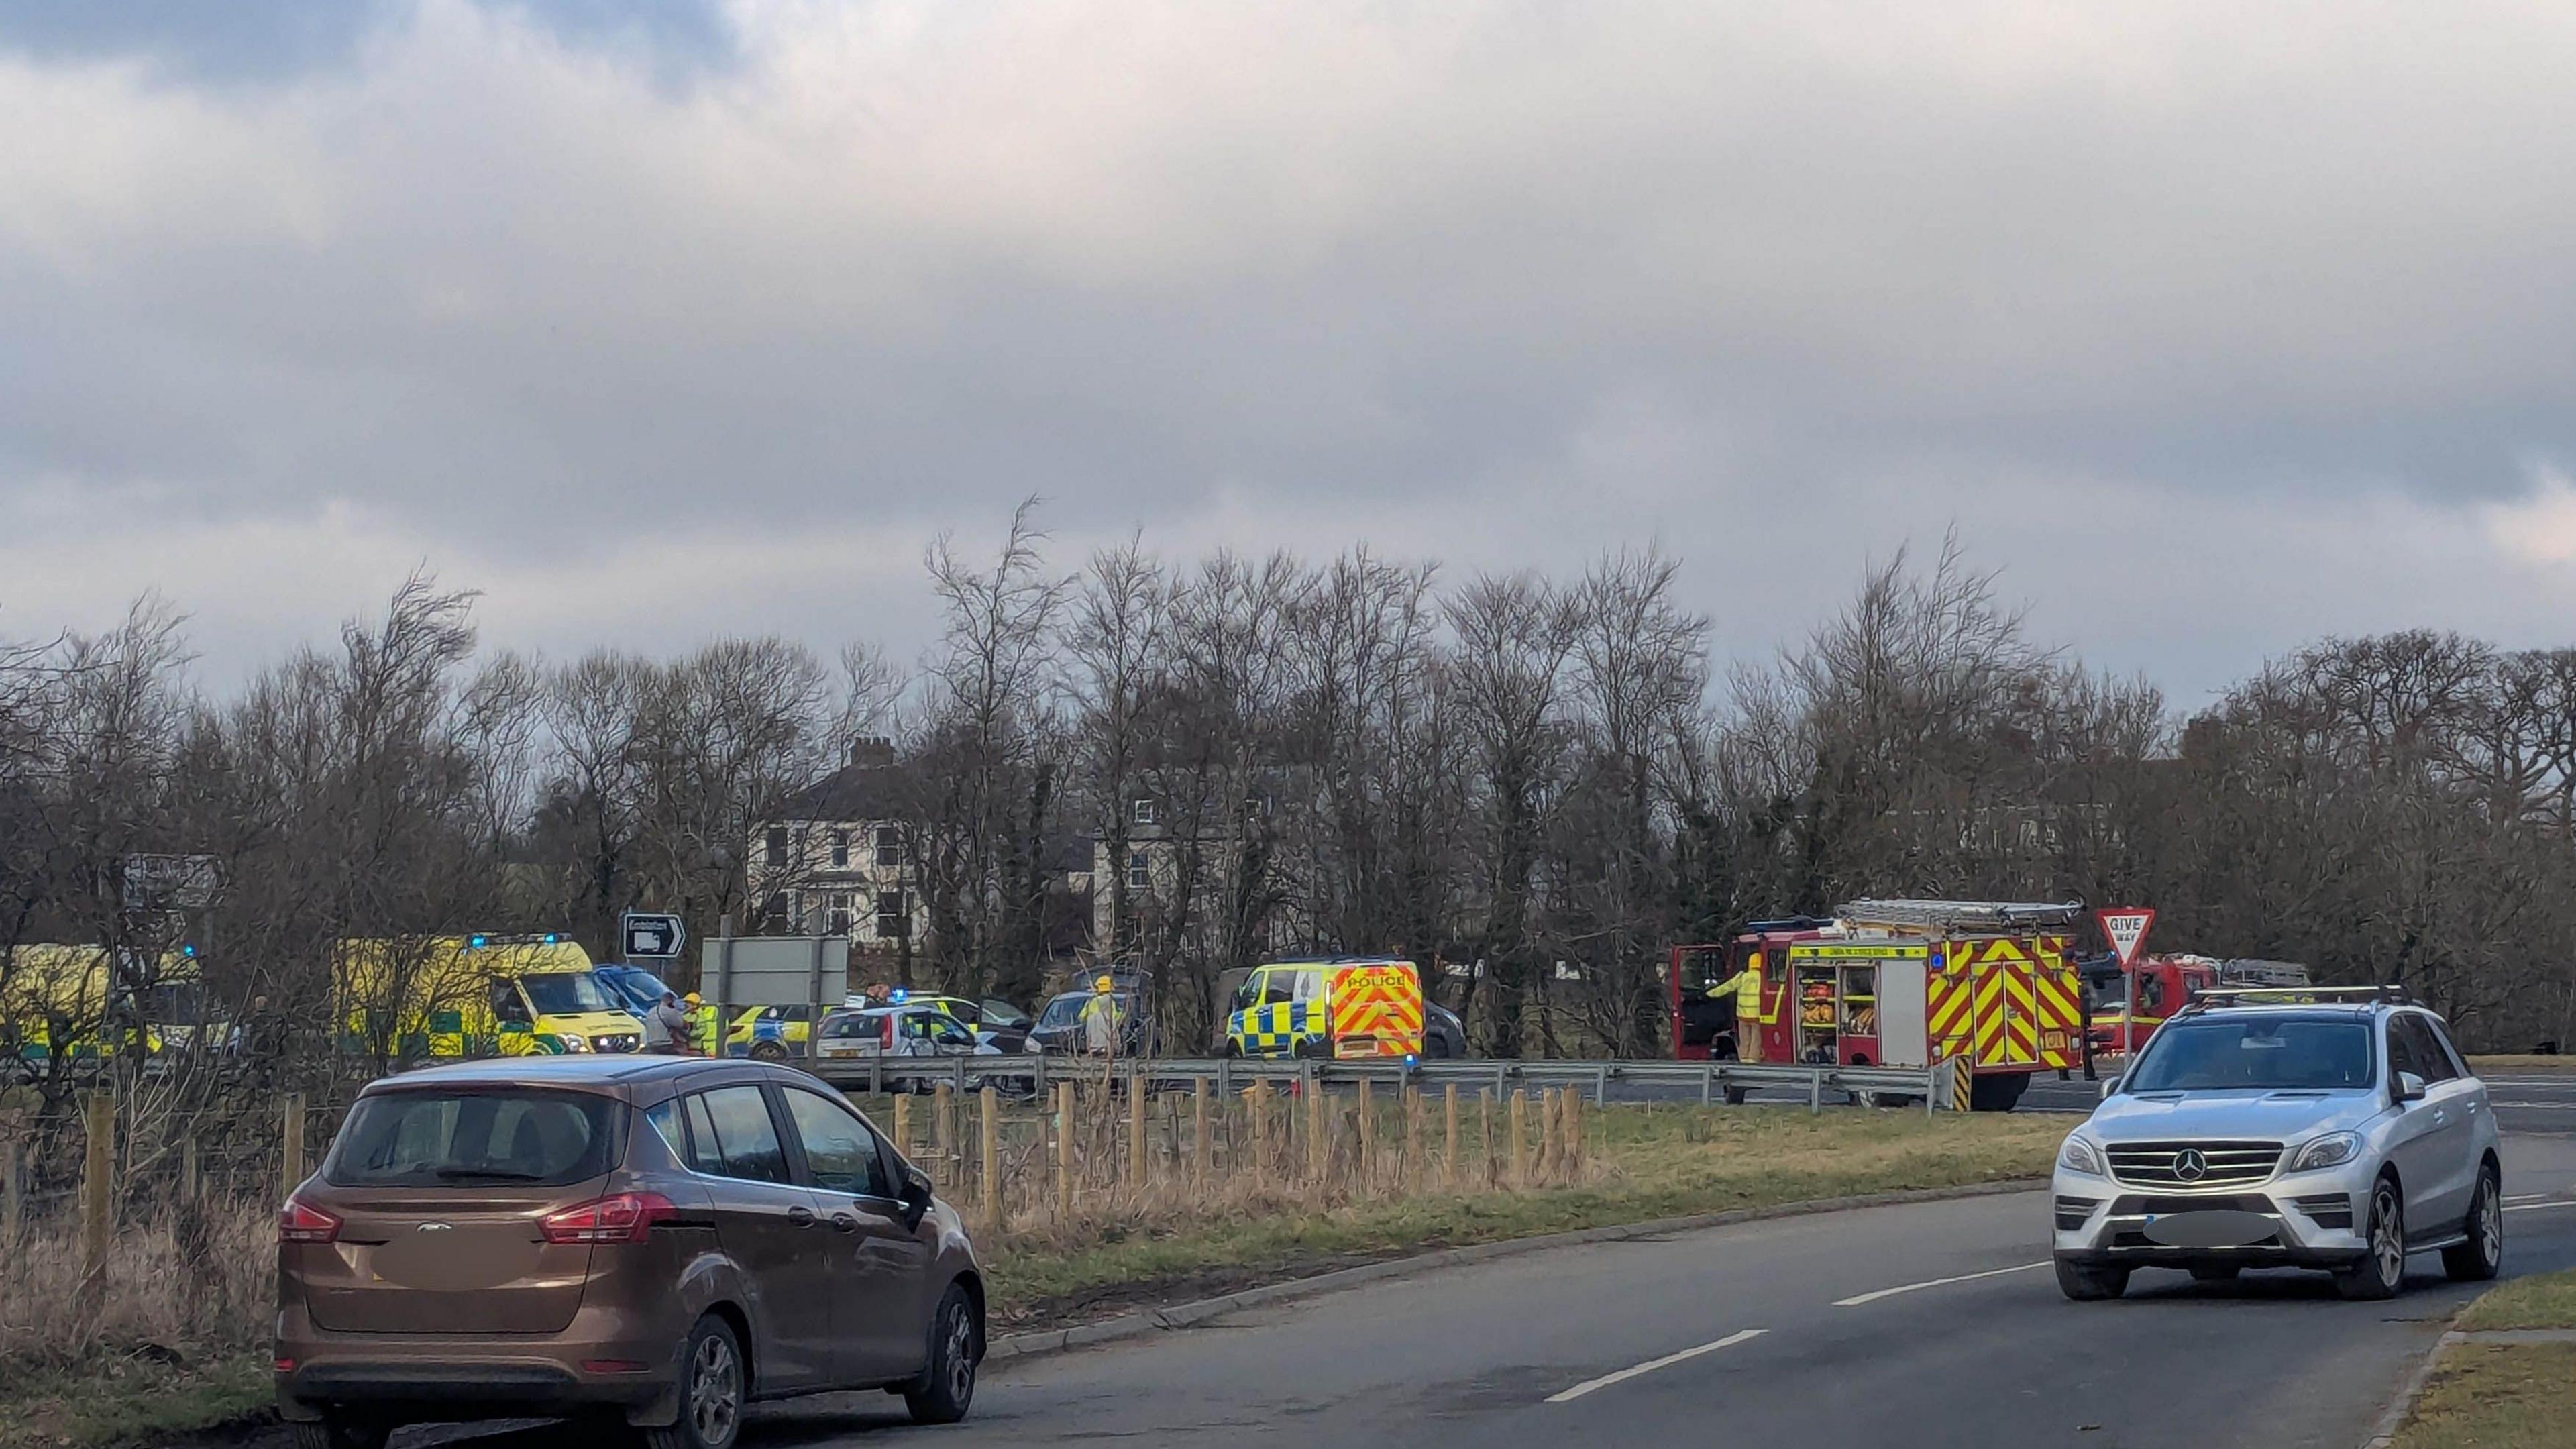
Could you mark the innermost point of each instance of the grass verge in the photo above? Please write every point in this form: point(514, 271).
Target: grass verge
point(2543, 1300)
point(2514, 1062)
point(131, 1401)
point(1671, 1162)
point(2496, 1396)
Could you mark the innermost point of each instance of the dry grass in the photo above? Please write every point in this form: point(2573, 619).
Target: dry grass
point(1672, 1162)
point(2523, 1062)
point(195, 1281)
point(2497, 1396)
point(2544, 1300)
point(172, 1335)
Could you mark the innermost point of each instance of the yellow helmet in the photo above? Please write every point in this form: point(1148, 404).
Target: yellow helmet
point(1104, 984)
point(692, 999)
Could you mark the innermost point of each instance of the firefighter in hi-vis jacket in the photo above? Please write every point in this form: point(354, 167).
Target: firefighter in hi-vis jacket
point(1750, 1004)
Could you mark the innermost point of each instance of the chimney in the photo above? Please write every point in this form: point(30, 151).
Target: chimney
point(874, 752)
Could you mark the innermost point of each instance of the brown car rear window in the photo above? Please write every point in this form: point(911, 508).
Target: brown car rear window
point(428, 1139)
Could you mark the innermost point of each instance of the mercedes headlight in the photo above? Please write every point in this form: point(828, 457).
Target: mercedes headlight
point(2079, 1155)
point(573, 1043)
point(2332, 1150)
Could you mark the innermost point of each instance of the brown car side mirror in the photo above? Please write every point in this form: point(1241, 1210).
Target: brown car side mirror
point(915, 1196)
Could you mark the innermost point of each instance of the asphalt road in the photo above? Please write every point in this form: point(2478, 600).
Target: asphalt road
point(1926, 1325)
point(1822, 1331)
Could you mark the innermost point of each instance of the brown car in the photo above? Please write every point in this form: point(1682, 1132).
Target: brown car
point(655, 1239)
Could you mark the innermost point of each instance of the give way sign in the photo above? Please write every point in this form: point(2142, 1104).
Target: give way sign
point(2125, 927)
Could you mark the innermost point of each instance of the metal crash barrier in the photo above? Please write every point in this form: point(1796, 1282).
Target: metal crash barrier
point(1932, 1087)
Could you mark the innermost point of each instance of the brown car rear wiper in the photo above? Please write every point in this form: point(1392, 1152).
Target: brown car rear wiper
point(498, 1174)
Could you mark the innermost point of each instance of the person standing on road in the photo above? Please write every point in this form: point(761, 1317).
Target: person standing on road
point(1101, 1019)
point(1746, 985)
point(666, 1027)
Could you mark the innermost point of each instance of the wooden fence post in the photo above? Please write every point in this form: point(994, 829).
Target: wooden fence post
point(1365, 1163)
point(1485, 1135)
point(997, 1210)
point(1064, 1149)
point(903, 1125)
point(98, 1180)
point(1202, 1159)
point(1575, 1136)
point(1550, 1103)
point(1136, 1139)
point(1258, 1128)
point(1412, 1140)
point(943, 1134)
point(13, 1196)
point(291, 1144)
point(1319, 1146)
point(1520, 1138)
point(1449, 1124)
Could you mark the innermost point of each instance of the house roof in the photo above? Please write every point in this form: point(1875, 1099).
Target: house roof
point(850, 793)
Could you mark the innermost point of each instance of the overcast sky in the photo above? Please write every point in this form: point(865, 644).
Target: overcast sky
point(2218, 327)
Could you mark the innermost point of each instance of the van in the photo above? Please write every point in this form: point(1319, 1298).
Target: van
point(473, 996)
point(1337, 1008)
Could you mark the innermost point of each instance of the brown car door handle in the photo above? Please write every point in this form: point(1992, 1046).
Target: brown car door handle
point(801, 1217)
point(845, 1223)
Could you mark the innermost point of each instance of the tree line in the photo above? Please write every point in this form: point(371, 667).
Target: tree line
point(1534, 782)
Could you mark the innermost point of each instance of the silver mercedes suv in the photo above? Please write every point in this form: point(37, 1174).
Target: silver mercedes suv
point(2317, 1128)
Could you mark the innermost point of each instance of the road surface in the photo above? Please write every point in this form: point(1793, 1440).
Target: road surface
point(1925, 1325)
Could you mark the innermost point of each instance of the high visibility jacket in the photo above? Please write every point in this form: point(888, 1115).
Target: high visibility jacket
point(1747, 986)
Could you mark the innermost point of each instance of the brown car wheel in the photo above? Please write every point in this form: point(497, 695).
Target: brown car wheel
point(947, 1387)
point(337, 1432)
point(712, 1391)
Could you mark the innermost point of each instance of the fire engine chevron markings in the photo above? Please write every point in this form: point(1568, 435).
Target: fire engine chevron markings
point(1859, 1299)
point(1652, 1364)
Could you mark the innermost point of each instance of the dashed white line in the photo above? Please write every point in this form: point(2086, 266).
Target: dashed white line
point(1652, 1364)
point(1859, 1299)
point(2533, 1207)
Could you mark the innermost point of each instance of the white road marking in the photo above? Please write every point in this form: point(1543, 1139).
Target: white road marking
point(1855, 1302)
point(1652, 1364)
point(2533, 1106)
point(2533, 1207)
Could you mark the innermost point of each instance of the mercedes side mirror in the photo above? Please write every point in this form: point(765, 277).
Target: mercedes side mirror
point(2110, 1086)
point(2410, 1087)
point(915, 1196)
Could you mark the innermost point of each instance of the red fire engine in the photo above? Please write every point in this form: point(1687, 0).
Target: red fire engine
point(2128, 1007)
point(1987, 984)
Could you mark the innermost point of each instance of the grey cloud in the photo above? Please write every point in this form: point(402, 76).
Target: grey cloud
point(1504, 295)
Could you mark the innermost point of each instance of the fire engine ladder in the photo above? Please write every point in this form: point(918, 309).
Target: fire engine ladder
point(1960, 917)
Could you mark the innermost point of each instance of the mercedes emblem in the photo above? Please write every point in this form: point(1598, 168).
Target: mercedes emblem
point(2190, 1166)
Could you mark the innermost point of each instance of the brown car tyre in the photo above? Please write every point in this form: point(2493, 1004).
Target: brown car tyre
point(712, 1391)
point(947, 1387)
point(341, 1432)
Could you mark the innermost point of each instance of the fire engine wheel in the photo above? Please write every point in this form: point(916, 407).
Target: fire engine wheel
point(1995, 1093)
point(2088, 1284)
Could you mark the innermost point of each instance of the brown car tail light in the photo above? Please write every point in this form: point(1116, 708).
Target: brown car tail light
point(626, 1217)
point(301, 1222)
point(888, 1039)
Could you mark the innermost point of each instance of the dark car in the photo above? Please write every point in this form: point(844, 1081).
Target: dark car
point(664, 1239)
point(1061, 1029)
point(1444, 1036)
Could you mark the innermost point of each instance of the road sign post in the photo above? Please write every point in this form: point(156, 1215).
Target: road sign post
point(651, 937)
point(2125, 927)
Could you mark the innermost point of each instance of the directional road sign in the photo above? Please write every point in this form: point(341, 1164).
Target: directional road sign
point(650, 937)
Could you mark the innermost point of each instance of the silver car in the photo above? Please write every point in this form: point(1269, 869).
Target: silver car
point(2263, 1128)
